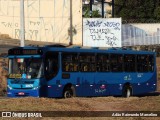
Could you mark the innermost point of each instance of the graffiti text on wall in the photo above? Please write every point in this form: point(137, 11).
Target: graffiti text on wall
point(35, 29)
point(40, 23)
point(102, 32)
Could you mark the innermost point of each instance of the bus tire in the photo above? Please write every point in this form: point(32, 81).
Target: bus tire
point(68, 93)
point(127, 92)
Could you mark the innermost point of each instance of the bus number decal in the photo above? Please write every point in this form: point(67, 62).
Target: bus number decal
point(139, 75)
point(29, 85)
point(127, 77)
point(100, 90)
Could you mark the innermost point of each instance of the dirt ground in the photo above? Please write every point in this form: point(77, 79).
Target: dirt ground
point(149, 103)
point(94, 104)
point(3, 73)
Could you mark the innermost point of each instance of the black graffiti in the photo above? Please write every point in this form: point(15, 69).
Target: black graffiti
point(111, 40)
point(94, 23)
point(96, 37)
point(99, 31)
point(103, 34)
point(111, 43)
point(114, 25)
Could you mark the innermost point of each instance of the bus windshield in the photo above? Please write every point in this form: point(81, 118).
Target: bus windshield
point(28, 68)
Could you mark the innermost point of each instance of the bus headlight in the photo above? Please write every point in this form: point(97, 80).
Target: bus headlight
point(9, 87)
point(35, 88)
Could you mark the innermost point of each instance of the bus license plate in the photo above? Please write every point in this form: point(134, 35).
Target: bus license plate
point(21, 93)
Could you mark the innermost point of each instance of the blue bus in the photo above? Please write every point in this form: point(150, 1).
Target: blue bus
point(60, 71)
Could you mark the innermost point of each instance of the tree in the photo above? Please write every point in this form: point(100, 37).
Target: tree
point(139, 10)
point(157, 13)
point(86, 13)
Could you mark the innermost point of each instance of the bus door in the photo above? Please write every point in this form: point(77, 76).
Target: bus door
point(51, 70)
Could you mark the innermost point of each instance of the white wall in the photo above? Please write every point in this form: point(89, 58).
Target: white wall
point(45, 20)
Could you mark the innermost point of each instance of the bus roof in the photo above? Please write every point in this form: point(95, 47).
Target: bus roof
point(73, 49)
point(97, 50)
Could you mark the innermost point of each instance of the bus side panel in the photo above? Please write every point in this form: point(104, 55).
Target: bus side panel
point(87, 81)
point(83, 83)
point(55, 91)
point(145, 87)
point(43, 91)
point(101, 82)
point(91, 90)
point(86, 85)
point(115, 89)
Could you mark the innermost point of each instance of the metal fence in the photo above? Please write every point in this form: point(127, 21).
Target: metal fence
point(140, 34)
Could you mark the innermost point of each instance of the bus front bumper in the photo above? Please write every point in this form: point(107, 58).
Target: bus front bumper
point(22, 93)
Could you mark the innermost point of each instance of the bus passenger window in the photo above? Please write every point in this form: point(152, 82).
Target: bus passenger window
point(70, 62)
point(103, 64)
point(87, 62)
point(85, 67)
point(129, 63)
point(145, 63)
point(151, 63)
point(116, 62)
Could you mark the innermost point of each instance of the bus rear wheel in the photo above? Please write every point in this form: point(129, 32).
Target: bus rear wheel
point(68, 93)
point(127, 92)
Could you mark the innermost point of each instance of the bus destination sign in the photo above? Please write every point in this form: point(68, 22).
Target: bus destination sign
point(25, 52)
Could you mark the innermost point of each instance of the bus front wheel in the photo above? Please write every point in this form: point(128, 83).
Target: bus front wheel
point(68, 93)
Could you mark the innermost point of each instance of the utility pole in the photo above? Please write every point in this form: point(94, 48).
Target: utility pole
point(102, 8)
point(112, 8)
point(22, 24)
point(71, 35)
point(90, 8)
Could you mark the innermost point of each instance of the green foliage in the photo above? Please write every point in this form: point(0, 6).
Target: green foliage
point(157, 13)
point(139, 10)
point(95, 13)
point(86, 11)
point(132, 10)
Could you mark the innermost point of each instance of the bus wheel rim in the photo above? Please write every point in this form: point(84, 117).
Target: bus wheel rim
point(67, 94)
point(128, 94)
